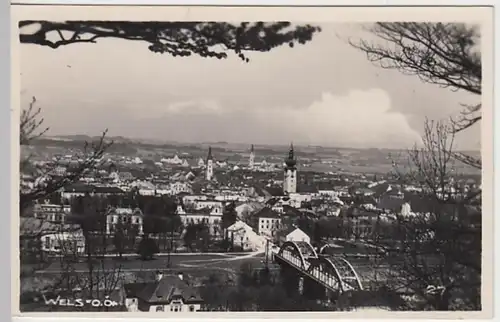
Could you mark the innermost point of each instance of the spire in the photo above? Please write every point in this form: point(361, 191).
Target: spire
point(290, 161)
point(209, 157)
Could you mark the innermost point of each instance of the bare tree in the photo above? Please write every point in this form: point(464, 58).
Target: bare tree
point(31, 128)
point(31, 124)
point(444, 54)
point(436, 254)
point(177, 38)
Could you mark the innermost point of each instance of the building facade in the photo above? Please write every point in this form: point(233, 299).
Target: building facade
point(168, 293)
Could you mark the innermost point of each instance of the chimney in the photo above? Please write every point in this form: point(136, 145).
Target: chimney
point(181, 276)
point(159, 275)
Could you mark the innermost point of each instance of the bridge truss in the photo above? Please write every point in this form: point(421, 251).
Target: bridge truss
point(334, 273)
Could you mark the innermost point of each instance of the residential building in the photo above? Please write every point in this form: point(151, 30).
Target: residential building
point(245, 237)
point(297, 235)
point(80, 190)
point(200, 204)
point(168, 293)
point(211, 216)
point(127, 217)
point(67, 242)
point(51, 213)
point(268, 222)
point(180, 187)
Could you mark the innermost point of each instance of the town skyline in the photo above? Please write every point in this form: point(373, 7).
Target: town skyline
point(156, 141)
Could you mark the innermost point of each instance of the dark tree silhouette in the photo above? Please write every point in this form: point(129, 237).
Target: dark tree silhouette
point(197, 236)
point(206, 39)
point(147, 248)
point(120, 239)
point(444, 54)
point(229, 215)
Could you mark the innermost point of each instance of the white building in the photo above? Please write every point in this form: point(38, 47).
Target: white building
point(210, 216)
point(191, 199)
point(174, 161)
point(51, 213)
point(64, 242)
point(180, 187)
point(127, 217)
point(269, 222)
point(298, 235)
point(245, 237)
point(200, 204)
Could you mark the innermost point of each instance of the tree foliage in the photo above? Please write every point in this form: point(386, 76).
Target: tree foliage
point(197, 236)
point(444, 54)
point(147, 248)
point(177, 38)
point(229, 215)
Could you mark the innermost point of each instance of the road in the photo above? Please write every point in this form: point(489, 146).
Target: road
point(177, 261)
point(197, 262)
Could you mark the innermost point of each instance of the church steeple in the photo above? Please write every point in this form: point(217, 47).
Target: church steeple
point(209, 171)
point(290, 179)
point(291, 161)
point(209, 156)
point(251, 159)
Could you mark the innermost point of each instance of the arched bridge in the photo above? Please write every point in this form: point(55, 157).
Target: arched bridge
point(334, 273)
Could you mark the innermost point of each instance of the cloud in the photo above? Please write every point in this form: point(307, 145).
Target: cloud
point(194, 107)
point(357, 119)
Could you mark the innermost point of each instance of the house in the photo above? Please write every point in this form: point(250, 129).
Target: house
point(211, 216)
point(76, 190)
point(51, 213)
point(80, 190)
point(168, 293)
point(297, 235)
point(245, 237)
point(180, 187)
point(200, 204)
point(127, 217)
point(67, 242)
point(268, 222)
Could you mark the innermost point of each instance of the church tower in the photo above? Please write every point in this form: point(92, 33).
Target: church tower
point(209, 172)
point(251, 159)
point(290, 179)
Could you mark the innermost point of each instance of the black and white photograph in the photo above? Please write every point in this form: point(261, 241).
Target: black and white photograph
point(179, 163)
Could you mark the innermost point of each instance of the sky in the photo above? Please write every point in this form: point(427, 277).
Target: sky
point(322, 93)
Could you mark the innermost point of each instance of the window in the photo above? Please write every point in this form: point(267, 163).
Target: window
point(191, 308)
point(159, 308)
point(47, 242)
